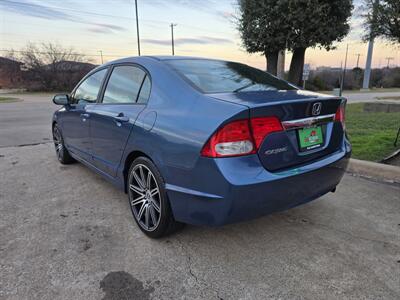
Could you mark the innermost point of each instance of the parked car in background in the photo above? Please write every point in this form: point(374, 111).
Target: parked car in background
point(201, 141)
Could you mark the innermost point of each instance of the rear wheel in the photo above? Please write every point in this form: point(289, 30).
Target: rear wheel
point(148, 199)
point(62, 153)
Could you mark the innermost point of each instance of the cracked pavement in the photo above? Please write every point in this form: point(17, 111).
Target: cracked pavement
point(66, 233)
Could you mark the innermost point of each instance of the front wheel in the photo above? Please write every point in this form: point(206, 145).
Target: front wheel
point(148, 199)
point(63, 155)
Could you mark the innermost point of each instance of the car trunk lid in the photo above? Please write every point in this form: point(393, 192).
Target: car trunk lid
point(309, 133)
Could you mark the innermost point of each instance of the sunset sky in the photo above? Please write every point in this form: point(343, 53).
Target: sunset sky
point(204, 28)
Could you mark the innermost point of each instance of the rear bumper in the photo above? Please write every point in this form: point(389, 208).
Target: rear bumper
point(239, 189)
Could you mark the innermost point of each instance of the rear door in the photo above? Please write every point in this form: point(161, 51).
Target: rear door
point(115, 114)
point(76, 122)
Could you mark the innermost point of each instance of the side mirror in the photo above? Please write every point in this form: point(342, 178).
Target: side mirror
point(61, 99)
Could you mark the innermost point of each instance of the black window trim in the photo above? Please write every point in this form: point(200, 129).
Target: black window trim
point(72, 94)
point(107, 78)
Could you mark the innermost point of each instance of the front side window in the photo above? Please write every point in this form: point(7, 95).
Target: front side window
point(124, 85)
point(89, 89)
point(214, 76)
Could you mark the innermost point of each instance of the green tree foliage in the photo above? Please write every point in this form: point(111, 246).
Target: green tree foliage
point(268, 26)
point(383, 19)
point(263, 29)
point(315, 23)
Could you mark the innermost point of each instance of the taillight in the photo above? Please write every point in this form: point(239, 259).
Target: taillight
point(241, 137)
point(340, 114)
point(261, 127)
point(233, 139)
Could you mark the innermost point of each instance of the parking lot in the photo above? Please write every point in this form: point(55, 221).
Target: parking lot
point(66, 233)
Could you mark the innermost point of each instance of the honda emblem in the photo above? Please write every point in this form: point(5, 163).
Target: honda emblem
point(316, 108)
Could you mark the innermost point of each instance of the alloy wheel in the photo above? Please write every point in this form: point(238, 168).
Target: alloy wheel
point(58, 142)
point(144, 197)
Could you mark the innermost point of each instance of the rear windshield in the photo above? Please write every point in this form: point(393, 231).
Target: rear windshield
point(213, 76)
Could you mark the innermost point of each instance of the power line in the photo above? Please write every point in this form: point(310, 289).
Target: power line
point(110, 16)
point(58, 53)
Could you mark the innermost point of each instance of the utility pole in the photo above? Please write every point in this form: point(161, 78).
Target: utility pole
point(172, 37)
point(367, 72)
point(388, 60)
point(101, 55)
point(358, 58)
point(344, 71)
point(137, 28)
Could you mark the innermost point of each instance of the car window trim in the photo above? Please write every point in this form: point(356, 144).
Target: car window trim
point(72, 94)
point(105, 83)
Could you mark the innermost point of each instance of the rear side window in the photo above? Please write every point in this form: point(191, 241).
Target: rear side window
point(213, 76)
point(124, 85)
point(145, 91)
point(89, 89)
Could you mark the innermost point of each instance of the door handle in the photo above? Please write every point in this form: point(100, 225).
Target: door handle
point(85, 115)
point(121, 118)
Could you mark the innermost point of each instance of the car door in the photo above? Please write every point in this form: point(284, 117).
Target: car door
point(76, 122)
point(113, 117)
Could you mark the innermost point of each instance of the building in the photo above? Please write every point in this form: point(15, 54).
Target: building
point(11, 73)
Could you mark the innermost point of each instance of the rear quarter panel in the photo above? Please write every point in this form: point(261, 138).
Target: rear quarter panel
point(176, 123)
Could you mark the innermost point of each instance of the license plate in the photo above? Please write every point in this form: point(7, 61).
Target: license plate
point(310, 138)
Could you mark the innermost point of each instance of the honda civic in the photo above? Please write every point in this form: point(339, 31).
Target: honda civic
point(202, 141)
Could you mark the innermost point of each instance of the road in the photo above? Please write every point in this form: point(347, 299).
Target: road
point(26, 122)
point(368, 96)
point(66, 233)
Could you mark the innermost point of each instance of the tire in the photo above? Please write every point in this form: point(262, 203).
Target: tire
point(63, 155)
point(148, 199)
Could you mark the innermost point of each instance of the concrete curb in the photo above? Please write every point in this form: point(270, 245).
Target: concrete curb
point(374, 170)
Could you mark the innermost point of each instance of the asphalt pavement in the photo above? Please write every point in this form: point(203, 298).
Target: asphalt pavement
point(66, 233)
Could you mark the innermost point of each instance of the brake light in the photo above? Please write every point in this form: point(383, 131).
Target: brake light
point(241, 137)
point(261, 127)
point(233, 139)
point(340, 115)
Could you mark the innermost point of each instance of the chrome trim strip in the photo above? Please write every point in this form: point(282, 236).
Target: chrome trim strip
point(306, 122)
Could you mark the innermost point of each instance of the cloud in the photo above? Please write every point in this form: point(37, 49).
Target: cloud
point(110, 27)
point(203, 40)
point(31, 9)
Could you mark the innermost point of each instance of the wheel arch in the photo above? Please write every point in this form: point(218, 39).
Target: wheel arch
point(128, 161)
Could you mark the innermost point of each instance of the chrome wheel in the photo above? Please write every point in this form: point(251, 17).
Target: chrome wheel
point(144, 197)
point(58, 144)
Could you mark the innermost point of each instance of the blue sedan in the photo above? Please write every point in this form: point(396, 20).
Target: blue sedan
point(201, 141)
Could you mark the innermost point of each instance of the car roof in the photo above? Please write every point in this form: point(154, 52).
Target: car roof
point(159, 58)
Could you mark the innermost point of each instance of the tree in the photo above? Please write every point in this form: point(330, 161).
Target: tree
point(268, 26)
point(314, 23)
point(263, 28)
point(383, 20)
point(52, 66)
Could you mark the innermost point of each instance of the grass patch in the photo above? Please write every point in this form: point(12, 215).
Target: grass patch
point(8, 99)
point(372, 134)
